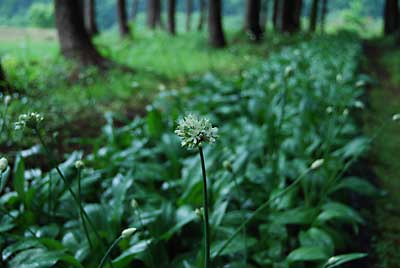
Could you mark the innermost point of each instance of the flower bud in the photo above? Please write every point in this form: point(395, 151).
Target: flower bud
point(199, 212)
point(317, 164)
point(128, 232)
point(3, 164)
point(134, 203)
point(396, 117)
point(79, 164)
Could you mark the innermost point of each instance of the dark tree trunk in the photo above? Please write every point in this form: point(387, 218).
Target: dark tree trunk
point(252, 20)
point(289, 17)
point(189, 10)
point(171, 16)
point(90, 17)
point(391, 17)
point(314, 15)
point(3, 83)
point(215, 31)
point(203, 12)
point(276, 16)
point(264, 15)
point(153, 13)
point(297, 14)
point(134, 9)
point(122, 18)
point(324, 11)
point(75, 42)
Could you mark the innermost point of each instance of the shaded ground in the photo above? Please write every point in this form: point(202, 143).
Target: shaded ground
point(383, 62)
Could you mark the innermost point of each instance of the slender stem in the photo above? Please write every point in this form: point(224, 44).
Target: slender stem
point(207, 263)
point(80, 211)
point(258, 210)
point(105, 257)
point(74, 197)
point(243, 218)
point(50, 197)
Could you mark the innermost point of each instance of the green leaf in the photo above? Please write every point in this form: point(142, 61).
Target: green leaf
point(307, 254)
point(316, 237)
point(358, 185)
point(331, 211)
point(338, 260)
point(21, 245)
point(295, 216)
point(155, 125)
point(19, 177)
point(4, 178)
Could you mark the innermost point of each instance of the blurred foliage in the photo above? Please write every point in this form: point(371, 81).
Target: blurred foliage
point(41, 15)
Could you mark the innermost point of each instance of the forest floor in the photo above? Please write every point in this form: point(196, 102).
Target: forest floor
point(383, 63)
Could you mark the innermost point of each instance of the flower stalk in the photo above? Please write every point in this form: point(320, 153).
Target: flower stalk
point(207, 240)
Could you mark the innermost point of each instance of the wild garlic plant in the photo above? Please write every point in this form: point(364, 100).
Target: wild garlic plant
point(33, 121)
point(194, 133)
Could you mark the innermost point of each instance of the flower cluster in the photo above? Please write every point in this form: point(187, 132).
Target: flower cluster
point(30, 120)
point(194, 131)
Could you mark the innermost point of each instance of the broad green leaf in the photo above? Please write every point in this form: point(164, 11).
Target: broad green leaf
point(307, 254)
point(155, 125)
point(295, 216)
point(19, 177)
point(332, 211)
point(4, 178)
point(358, 185)
point(316, 237)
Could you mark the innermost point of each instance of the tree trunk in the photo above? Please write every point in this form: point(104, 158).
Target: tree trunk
point(252, 20)
point(314, 15)
point(391, 17)
point(75, 42)
point(264, 15)
point(122, 18)
point(153, 13)
point(171, 16)
point(189, 10)
point(3, 83)
point(288, 18)
point(90, 17)
point(134, 9)
point(297, 14)
point(277, 13)
point(215, 31)
point(324, 12)
point(202, 17)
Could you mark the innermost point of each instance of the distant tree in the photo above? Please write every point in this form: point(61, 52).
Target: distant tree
point(122, 18)
point(314, 15)
point(264, 14)
point(153, 13)
point(171, 17)
point(290, 21)
point(74, 40)
point(215, 31)
point(189, 11)
point(90, 17)
point(391, 17)
point(276, 14)
point(3, 83)
point(252, 19)
point(41, 15)
point(324, 11)
point(202, 17)
point(134, 9)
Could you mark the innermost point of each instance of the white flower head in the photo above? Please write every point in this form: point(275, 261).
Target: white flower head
point(79, 164)
point(128, 232)
point(195, 131)
point(7, 100)
point(30, 120)
point(346, 112)
point(329, 109)
point(3, 164)
point(396, 117)
point(359, 104)
point(317, 164)
point(134, 203)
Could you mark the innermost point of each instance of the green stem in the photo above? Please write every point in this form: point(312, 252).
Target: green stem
point(207, 263)
point(259, 210)
point(80, 211)
point(105, 257)
point(74, 197)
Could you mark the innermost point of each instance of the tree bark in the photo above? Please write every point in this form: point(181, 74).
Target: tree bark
point(134, 9)
point(189, 10)
point(252, 20)
point(90, 17)
point(391, 17)
point(75, 42)
point(277, 14)
point(297, 14)
point(171, 16)
point(288, 18)
point(215, 31)
point(3, 82)
point(153, 13)
point(324, 11)
point(314, 15)
point(122, 18)
point(203, 12)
